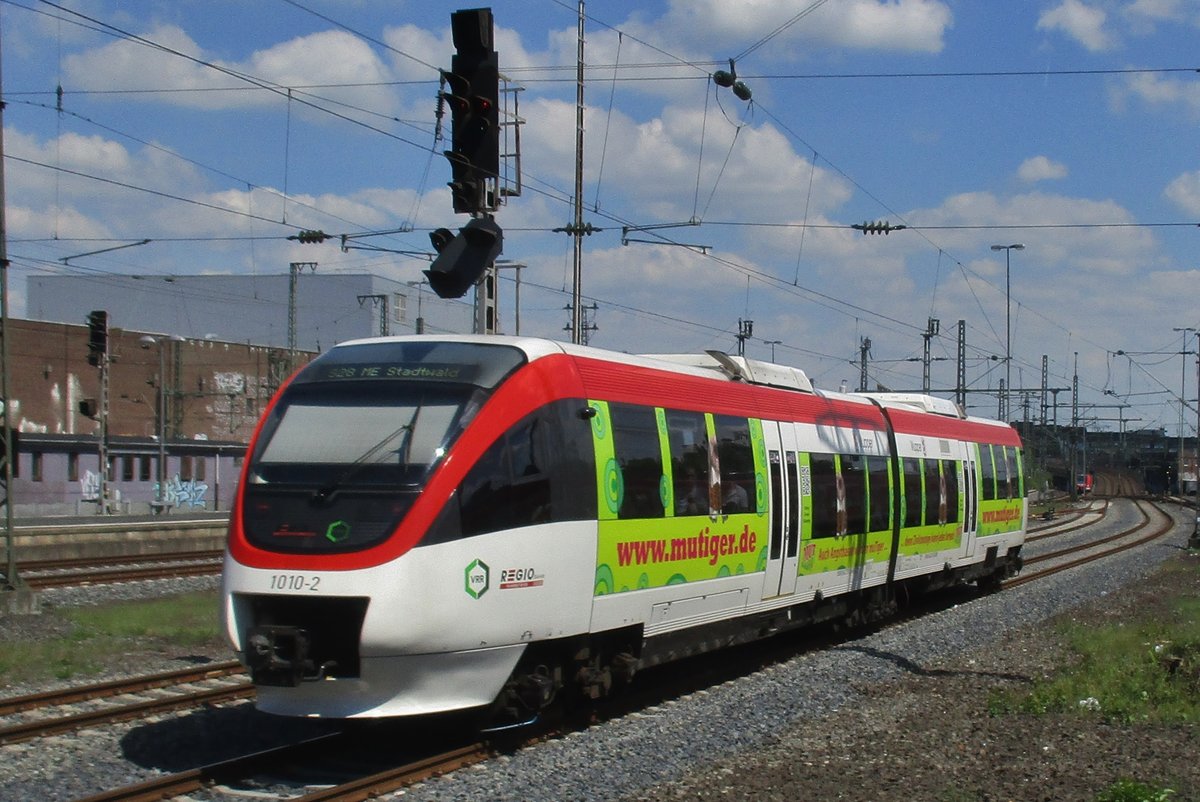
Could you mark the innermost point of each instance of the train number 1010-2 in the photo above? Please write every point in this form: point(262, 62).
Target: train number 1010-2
point(295, 582)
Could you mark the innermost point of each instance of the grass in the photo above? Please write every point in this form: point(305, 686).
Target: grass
point(1145, 668)
point(1139, 668)
point(90, 639)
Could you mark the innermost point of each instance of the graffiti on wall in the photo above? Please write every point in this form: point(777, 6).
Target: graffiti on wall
point(178, 492)
point(89, 485)
point(186, 494)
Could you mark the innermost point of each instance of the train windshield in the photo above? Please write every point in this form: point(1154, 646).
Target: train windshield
point(351, 442)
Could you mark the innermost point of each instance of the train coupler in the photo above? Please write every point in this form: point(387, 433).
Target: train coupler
point(278, 655)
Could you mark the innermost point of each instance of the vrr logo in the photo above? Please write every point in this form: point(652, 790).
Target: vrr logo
point(477, 578)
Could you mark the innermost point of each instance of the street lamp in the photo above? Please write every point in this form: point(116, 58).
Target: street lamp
point(147, 342)
point(1008, 249)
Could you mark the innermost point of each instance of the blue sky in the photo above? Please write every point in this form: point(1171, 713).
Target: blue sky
point(216, 129)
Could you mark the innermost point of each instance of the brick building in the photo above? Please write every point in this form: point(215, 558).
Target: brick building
point(204, 396)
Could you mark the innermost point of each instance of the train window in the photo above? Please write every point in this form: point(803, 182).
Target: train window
point(688, 437)
point(736, 456)
point(72, 467)
point(508, 487)
point(776, 473)
point(793, 540)
point(35, 466)
point(144, 468)
point(854, 478)
point(987, 472)
point(1010, 472)
point(532, 474)
point(824, 495)
point(1019, 459)
point(879, 493)
point(935, 493)
point(913, 483)
point(639, 457)
point(950, 479)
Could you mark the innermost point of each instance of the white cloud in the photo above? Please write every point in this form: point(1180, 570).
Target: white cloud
point(317, 60)
point(1184, 192)
point(903, 25)
point(1081, 22)
point(1040, 168)
point(1157, 90)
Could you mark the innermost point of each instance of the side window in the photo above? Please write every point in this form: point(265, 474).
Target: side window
point(1019, 461)
point(1010, 472)
point(639, 457)
point(72, 467)
point(987, 472)
point(950, 482)
point(736, 456)
point(144, 468)
point(854, 478)
point(912, 491)
point(508, 487)
point(824, 495)
point(35, 467)
point(935, 493)
point(688, 438)
point(877, 486)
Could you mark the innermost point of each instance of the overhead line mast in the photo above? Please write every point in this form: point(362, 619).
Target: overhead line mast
point(577, 232)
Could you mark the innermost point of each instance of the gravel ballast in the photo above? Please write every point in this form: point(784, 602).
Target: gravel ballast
point(897, 713)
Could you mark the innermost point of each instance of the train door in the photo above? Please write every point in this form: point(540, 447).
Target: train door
point(970, 481)
point(783, 476)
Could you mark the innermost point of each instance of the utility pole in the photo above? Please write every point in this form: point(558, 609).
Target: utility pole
point(379, 301)
point(295, 269)
point(931, 331)
point(960, 386)
point(745, 332)
point(864, 351)
point(584, 321)
point(12, 581)
point(577, 326)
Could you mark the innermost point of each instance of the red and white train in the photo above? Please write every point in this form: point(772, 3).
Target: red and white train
point(432, 524)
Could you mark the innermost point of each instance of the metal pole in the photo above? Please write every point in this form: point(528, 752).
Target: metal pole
point(162, 425)
point(1008, 249)
point(11, 580)
point(577, 262)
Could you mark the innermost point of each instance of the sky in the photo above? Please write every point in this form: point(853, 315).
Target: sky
point(216, 129)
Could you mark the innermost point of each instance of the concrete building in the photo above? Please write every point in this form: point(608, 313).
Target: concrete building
point(329, 307)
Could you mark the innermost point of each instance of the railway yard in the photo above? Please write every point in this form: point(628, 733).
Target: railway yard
point(880, 714)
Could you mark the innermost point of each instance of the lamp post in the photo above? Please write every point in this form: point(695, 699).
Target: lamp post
point(1008, 249)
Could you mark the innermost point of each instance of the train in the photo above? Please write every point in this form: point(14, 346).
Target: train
point(465, 524)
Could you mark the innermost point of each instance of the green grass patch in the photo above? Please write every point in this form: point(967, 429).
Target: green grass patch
point(90, 639)
point(1144, 668)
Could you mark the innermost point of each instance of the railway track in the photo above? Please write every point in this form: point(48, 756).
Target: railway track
point(1059, 560)
point(231, 775)
point(58, 711)
point(43, 574)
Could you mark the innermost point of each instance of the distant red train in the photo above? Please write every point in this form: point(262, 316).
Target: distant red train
point(1084, 483)
point(432, 524)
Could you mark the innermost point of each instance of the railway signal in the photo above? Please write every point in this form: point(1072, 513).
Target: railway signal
point(97, 321)
point(462, 259)
point(474, 97)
